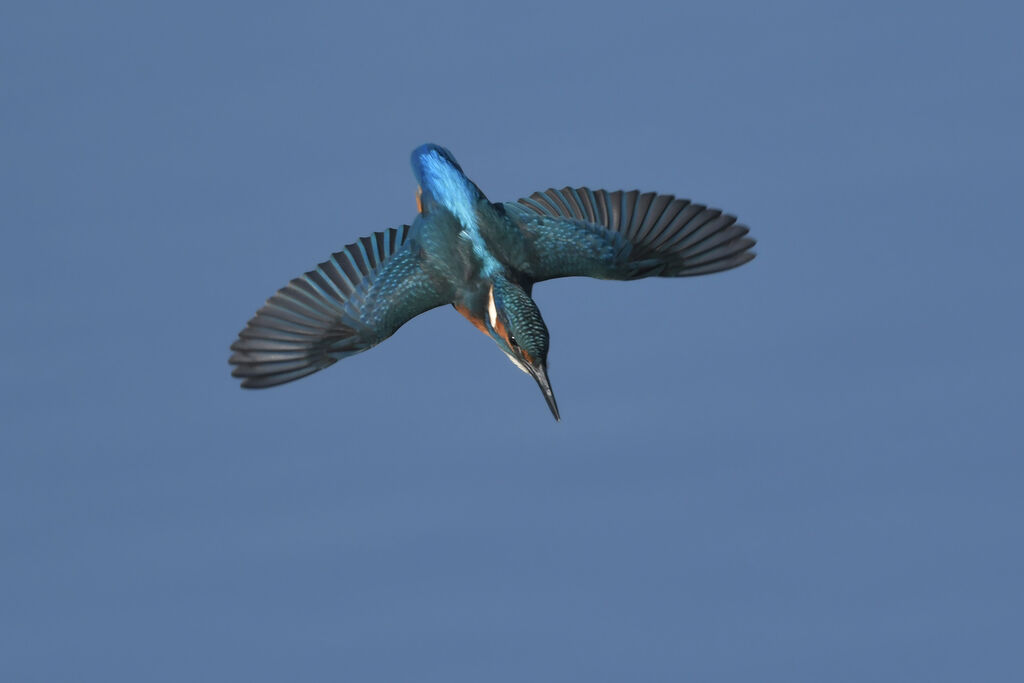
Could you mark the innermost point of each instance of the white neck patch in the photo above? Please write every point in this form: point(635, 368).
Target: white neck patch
point(492, 310)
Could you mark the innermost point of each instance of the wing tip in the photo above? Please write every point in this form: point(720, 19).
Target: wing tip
point(261, 376)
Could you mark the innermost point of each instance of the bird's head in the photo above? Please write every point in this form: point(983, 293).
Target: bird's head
point(442, 182)
point(513, 321)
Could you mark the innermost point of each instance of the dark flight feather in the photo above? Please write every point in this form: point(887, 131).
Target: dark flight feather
point(351, 302)
point(625, 235)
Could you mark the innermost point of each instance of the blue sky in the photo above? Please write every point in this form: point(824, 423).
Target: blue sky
point(808, 468)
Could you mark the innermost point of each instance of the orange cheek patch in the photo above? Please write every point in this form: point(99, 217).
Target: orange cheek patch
point(502, 332)
point(419, 199)
point(477, 322)
point(499, 327)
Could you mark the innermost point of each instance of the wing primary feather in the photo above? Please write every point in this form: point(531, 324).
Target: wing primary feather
point(250, 344)
point(723, 236)
point(721, 252)
point(613, 203)
point(589, 202)
point(335, 273)
point(563, 202)
point(369, 252)
point(678, 224)
point(257, 358)
point(558, 203)
point(341, 289)
point(299, 290)
point(284, 301)
point(667, 218)
point(627, 235)
point(268, 364)
point(274, 310)
point(264, 381)
point(545, 201)
point(355, 254)
point(710, 235)
point(697, 227)
point(534, 205)
point(720, 265)
point(346, 268)
point(269, 329)
point(655, 212)
point(640, 210)
point(319, 318)
point(628, 211)
point(314, 290)
point(576, 202)
point(569, 210)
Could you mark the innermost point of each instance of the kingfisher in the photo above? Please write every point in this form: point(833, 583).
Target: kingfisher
point(483, 258)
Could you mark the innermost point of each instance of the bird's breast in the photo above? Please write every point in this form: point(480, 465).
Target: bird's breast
point(477, 320)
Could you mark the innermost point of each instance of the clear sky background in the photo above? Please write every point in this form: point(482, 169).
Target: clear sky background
point(807, 469)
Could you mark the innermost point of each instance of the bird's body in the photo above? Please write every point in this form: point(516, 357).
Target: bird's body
point(483, 258)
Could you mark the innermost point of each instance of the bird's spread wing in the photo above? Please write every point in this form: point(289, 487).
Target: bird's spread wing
point(625, 235)
point(351, 302)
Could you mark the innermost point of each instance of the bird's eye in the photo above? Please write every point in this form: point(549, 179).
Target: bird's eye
point(512, 341)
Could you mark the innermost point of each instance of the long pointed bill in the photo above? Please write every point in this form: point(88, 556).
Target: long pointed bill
point(540, 374)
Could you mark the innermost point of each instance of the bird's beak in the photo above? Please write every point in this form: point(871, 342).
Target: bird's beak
point(540, 373)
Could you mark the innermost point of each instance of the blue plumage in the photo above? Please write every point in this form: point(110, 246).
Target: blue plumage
point(483, 258)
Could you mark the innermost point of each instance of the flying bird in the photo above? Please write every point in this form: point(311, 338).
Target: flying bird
point(483, 258)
